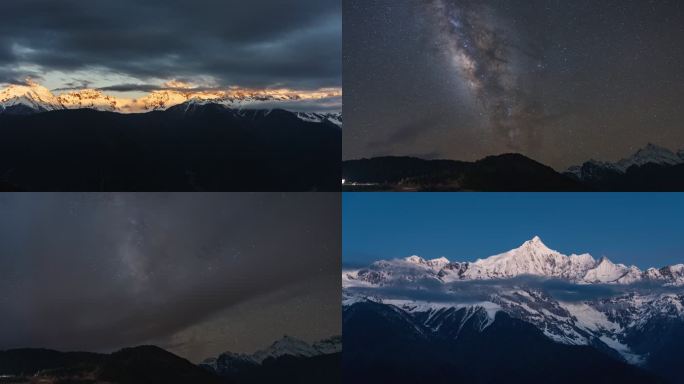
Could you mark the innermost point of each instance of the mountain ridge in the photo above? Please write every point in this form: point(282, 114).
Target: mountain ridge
point(388, 343)
point(229, 362)
point(650, 154)
point(532, 258)
point(134, 365)
point(651, 168)
point(34, 98)
point(288, 359)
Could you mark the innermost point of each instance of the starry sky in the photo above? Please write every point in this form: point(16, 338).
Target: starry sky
point(559, 81)
point(133, 47)
point(197, 274)
point(642, 229)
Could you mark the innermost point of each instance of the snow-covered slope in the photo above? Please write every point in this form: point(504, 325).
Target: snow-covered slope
point(287, 346)
point(612, 324)
point(532, 258)
point(651, 154)
point(335, 118)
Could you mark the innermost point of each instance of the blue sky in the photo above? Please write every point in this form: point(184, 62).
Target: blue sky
point(644, 229)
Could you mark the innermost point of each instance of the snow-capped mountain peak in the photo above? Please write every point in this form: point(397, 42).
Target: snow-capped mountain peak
point(90, 99)
point(650, 154)
point(537, 246)
point(605, 271)
point(415, 260)
point(286, 346)
point(30, 95)
point(532, 258)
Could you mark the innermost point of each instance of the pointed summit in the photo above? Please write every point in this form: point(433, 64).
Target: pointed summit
point(30, 97)
point(537, 244)
point(536, 240)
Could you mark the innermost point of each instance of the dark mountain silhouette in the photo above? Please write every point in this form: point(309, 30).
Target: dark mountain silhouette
point(510, 172)
point(383, 345)
point(139, 365)
point(185, 148)
point(153, 365)
point(288, 360)
point(290, 369)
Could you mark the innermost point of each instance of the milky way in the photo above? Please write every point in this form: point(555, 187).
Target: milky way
point(558, 81)
point(486, 55)
point(195, 273)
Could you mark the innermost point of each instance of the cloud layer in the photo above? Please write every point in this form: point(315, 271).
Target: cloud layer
point(482, 290)
point(259, 43)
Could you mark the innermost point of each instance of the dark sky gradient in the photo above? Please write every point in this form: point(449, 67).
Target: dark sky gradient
point(559, 81)
point(630, 228)
point(256, 43)
point(196, 273)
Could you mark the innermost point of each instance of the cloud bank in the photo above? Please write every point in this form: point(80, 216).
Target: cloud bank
point(260, 43)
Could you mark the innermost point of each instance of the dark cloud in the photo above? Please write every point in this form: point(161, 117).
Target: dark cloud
point(255, 43)
point(133, 88)
point(17, 77)
point(481, 290)
point(102, 271)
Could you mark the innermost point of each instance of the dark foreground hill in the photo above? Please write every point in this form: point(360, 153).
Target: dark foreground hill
point(153, 365)
point(185, 148)
point(139, 365)
point(650, 169)
point(510, 172)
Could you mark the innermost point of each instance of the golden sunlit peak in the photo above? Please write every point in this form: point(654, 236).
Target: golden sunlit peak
point(174, 92)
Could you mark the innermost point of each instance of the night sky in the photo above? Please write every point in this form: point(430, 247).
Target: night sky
point(138, 46)
point(197, 273)
point(559, 81)
point(642, 229)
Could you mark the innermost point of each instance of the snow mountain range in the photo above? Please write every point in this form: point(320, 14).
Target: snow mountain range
point(34, 98)
point(532, 258)
point(229, 363)
point(630, 315)
point(651, 154)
